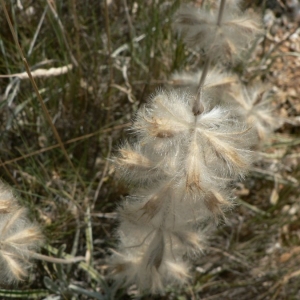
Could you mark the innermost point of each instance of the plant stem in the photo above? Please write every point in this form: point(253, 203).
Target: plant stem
point(56, 260)
point(198, 106)
point(221, 10)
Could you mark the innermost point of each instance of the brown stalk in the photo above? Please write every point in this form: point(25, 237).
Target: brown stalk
point(198, 106)
point(221, 10)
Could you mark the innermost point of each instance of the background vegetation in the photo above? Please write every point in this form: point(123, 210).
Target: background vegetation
point(117, 53)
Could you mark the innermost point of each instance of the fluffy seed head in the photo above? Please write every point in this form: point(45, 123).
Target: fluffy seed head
point(206, 147)
point(223, 43)
point(164, 119)
point(18, 238)
point(255, 108)
point(134, 165)
point(151, 265)
point(8, 201)
point(185, 162)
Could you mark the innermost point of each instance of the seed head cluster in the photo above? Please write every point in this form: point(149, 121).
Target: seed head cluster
point(180, 168)
point(18, 238)
point(183, 162)
point(220, 39)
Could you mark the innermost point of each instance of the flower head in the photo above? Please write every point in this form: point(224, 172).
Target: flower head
point(168, 126)
point(222, 41)
point(183, 164)
point(18, 238)
point(255, 108)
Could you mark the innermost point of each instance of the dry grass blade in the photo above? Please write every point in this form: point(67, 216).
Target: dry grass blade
point(41, 73)
point(55, 260)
